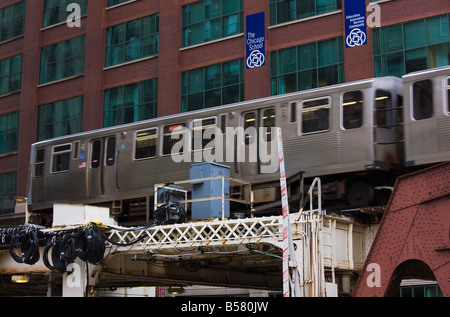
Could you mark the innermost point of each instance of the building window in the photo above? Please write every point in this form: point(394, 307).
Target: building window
point(9, 132)
point(307, 66)
point(60, 118)
point(63, 59)
point(213, 85)
point(55, 11)
point(411, 46)
point(211, 19)
point(10, 74)
point(289, 10)
point(132, 40)
point(8, 183)
point(12, 21)
point(420, 291)
point(131, 103)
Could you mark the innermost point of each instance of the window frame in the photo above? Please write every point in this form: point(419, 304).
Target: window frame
point(138, 138)
point(10, 75)
point(64, 124)
point(38, 163)
point(10, 135)
point(65, 154)
point(204, 23)
point(343, 113)
point(302, 109)
point(61, 10)
point(414, 114)
point(47, 75)
point(203, 128)
point(15, 27)
point(122, 45)
point(169, 135)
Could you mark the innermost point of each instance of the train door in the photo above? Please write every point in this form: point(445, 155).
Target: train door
point(103, 166)
point(256, 136)
point(388, 131)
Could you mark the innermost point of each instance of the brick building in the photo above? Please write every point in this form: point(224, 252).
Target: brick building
point(131, 60)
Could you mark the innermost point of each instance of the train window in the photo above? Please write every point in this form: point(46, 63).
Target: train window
point(96, 153)
point(198, 127)
point(352, 109)
point(76, 148)
point(422, 99)
point(293, 112)
point(223, 123)
point(111, 151)
point(39, 163)
point(384, 110)
point(168, 142)
point(268, 121)
point(316, 115)
point(146, 144)
point(61, 158)
point(249, 121)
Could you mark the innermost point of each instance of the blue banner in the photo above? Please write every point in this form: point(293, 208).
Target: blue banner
point(355, 23)
point(255, 40)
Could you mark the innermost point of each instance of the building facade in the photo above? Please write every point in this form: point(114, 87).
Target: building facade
point(129, 60)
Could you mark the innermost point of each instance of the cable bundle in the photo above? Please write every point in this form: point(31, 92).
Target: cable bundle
point(88, 244)
point(27, 244)
point(170, 213)
point(62, 253)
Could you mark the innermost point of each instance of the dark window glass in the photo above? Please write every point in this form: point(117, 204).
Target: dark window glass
point(96, 153)
point(423, 99)
point(352, 110)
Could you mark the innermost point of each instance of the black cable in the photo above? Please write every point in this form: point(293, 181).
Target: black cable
point(62, 253)
point(27, 244)
point(170, 213)
point(90, 245)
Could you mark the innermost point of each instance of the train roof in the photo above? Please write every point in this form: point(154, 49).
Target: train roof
point(439, 71)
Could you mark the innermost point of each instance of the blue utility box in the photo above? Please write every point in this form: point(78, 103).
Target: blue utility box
point(209, 189)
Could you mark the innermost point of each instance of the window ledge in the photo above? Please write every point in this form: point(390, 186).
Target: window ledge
point(305, 19)
point(12, 39)
point(8, 154)
point(6, 94)
point(131, 62)
point(59, 24)
point(60, 80)
point(120, 4)
point(211, 42)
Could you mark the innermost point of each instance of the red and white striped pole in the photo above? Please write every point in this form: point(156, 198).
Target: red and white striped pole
point(289, 282)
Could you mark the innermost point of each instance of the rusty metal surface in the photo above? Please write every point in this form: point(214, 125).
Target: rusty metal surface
point(414, 233)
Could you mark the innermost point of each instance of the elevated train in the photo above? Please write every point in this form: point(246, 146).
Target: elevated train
point(356, 136)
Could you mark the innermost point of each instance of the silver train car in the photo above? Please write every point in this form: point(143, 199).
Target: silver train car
point(351, 135)
point(427, 117)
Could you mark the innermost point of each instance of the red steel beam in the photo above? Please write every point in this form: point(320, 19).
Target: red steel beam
point(413, 238)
